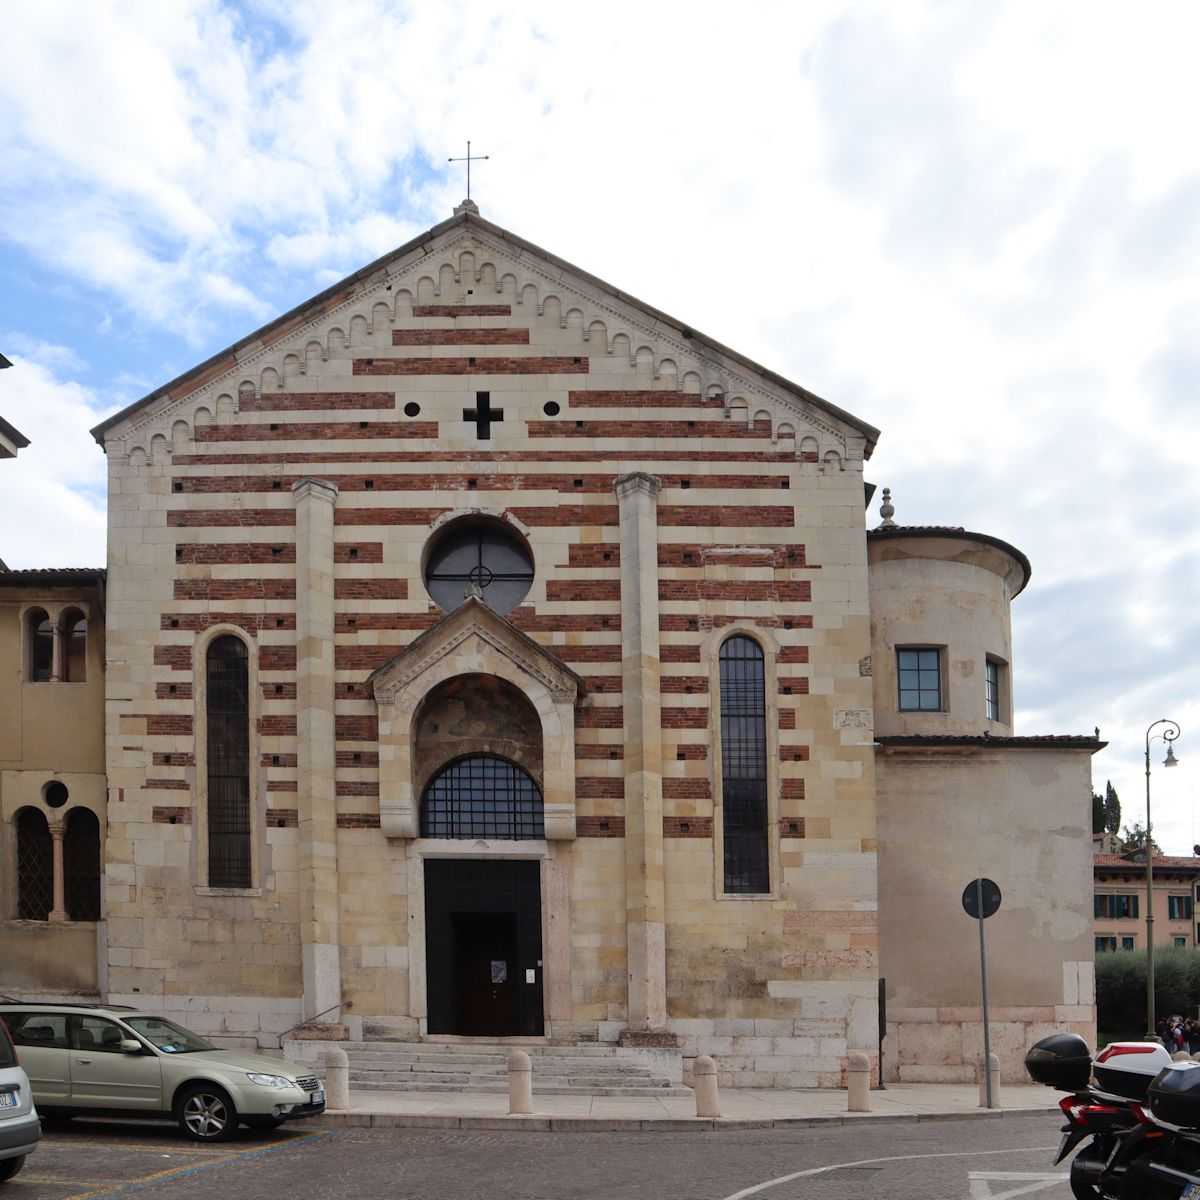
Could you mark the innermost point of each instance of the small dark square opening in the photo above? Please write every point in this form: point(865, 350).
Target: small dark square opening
point(174, 622)
point(684, 827)
point(369, 485)
point(353, 551)
point(275, 485)
point(172, 818)
point(172, 688)
point(278, 622)
point(274, 760)
point(279, 689)
point(352, 621)
point(357, 756)
point(578, 483)
point(273, 426)
point(603, 826)
point(177, 486)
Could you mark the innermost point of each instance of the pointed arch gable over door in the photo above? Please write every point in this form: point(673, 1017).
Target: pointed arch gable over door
point(473, 640)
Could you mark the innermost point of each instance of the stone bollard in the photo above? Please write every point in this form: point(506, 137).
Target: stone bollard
point(704, 1084)
point(858, 1082)
point(983, 1097)
point(520, 1083)
point(337, 1078)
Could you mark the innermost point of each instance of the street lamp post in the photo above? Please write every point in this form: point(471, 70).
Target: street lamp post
point(1168, 735)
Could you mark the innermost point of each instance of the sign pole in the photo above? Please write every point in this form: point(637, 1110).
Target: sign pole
point(987, 1041)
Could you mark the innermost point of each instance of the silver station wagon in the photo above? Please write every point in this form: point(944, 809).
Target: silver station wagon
point(91, 1060)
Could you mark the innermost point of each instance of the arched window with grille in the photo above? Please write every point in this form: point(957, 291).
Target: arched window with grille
point(81, 865)
point(482, 796)
point(227, 745)
point(744, 766)
point(40, 642)
point(35, 866)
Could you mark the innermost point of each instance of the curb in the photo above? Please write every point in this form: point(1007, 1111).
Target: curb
point(535, 1123)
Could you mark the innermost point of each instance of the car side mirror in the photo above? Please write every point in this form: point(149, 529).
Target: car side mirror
point(131, 1046)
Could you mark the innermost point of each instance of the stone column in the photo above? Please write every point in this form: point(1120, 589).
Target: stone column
point(57, 651)
point(637, 498)
point(59, 912)
point(315, 758)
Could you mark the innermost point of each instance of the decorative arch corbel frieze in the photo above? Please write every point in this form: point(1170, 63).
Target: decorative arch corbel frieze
point(473, 640)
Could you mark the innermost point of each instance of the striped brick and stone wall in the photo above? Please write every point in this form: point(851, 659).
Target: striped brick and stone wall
point(756, 526)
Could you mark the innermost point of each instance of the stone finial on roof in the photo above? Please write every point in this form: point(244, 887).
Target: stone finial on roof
point(887, 510)
point(467, 205)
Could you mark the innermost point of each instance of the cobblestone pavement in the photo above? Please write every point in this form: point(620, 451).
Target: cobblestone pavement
point(943, 1160)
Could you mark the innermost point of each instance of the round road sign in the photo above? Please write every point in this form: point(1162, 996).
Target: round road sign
point(991, 897)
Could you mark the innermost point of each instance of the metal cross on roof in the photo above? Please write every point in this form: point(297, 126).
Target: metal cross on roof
point(469, 160)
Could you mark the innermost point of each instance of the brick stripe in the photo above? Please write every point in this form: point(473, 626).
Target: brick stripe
point(278, 760)
point(309, 401)
point(325, 431)
point(583, 589)
point(199, 518)
point(283, 818)
point(362, 658)
point(600, 827)
point(356, 728)
point(352, 622)
point(793, 687)
point(599, 718)
point(643, 399)
point(356, 758)
point(687, 827)
point(683, 684)
point(599, 787)
point(168, 814)
point(460, 337)
point(277, 658)
point(277, 726)
point(585, 751)
point(495, 365)
point(791, 827)
point(687, 752)
point(282, 785)
point(347, 787)
point(531, 621)
point(462, 310)
point(235, 552)
point(168, 725)
point(679, 554)
point(174, 758)
point(682, 623)
point(794, 754)
point(178, 658)
point(279, 691)
point(684, 718)
point(787, 718)
point(686, 789)
point(166, 785)
point(235, 589)
point(373, 457)
point(365, 552)
point(782, 590)
point(250, 622)
point(370, 589)
point(173, 691)
point(594, 554)
point(679, 654)
point(708, 516)
point(582, 654)
point(792, 654)
point(648, 429)
point(791, 789)
point(387, 516)
point(358, 820)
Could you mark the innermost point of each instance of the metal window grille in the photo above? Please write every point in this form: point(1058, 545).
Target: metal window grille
point(920, 679)
point(744, 766)
point(481, 796)
point(41, 650)
point(483, 556)
point(81, 865)
point(35, 867)
point(993, 690)
point(228, 764)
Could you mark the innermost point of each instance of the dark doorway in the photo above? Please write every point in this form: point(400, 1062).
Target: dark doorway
point(483, 947)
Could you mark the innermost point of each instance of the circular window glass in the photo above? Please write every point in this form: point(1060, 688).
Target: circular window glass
point(479, 560)
point(55, 794)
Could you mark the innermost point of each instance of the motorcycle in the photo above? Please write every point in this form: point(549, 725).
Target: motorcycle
point(1170, 1170)
point(1107, 1115)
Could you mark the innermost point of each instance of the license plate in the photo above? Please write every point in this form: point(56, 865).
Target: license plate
point(8, 1100)
point(1191, 1192)
point(317, 1098)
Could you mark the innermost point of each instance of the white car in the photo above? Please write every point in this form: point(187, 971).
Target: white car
point(20, 1128)
point(95, 1060)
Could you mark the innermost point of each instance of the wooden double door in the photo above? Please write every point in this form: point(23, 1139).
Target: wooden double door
point(483, 947)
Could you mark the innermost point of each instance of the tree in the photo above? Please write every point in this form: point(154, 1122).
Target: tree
point(1133, 837)
point(1112, 808)
point(1099, 816)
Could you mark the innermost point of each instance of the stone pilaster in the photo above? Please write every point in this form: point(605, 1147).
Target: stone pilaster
point(637, 498)
point(59, 912)
point(315, 739)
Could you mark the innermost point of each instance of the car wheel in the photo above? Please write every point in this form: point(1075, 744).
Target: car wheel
point(52, 1120)
point(10, 1166)
point(206, 1114)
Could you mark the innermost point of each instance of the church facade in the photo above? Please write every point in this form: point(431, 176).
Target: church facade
point(490, 655)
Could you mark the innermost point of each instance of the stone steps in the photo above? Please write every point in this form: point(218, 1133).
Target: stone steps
point(592, 1069)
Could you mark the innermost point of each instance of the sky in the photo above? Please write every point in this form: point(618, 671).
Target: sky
point(975, 226)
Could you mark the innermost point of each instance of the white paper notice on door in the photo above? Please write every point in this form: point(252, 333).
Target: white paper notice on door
point(530, 975)
point(499, 971)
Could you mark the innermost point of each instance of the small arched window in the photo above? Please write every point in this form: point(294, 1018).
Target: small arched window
point(228, 759)
point(41, 646)
point(481, 796)
point(81, 865)
point(744, 766)
point(74, 635)
point(35, 866)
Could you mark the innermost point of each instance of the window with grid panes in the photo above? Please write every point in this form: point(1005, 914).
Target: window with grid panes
point(228, 814)
point(744, 766)
point(481, 796)
point(992, 675)
point(919, 674)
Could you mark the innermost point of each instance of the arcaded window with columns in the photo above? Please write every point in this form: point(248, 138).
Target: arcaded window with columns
point(227, 695)
point(40, 646)
point(744, 766)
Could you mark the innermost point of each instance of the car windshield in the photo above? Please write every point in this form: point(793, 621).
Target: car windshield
point(168, 1037)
